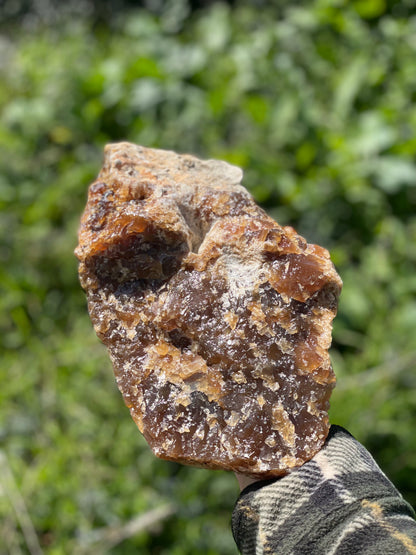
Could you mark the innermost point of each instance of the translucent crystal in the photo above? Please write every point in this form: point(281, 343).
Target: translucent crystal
point(217, 319)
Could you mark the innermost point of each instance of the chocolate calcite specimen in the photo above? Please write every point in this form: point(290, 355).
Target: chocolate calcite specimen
point(217, 319)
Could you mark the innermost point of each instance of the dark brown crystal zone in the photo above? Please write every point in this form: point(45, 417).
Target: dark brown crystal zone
point(218, 320)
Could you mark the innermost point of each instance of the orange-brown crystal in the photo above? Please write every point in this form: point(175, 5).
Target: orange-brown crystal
point(217, 319)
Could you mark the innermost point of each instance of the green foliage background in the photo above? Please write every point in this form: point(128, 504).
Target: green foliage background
point(316, 101)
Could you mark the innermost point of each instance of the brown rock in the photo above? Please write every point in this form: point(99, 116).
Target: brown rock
point(217, 319)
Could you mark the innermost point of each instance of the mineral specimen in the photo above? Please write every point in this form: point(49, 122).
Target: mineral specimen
point(217, 319)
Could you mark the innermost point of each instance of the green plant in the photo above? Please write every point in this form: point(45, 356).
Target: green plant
point(315, 102)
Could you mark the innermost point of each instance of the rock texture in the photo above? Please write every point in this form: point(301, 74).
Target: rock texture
point(217, 319)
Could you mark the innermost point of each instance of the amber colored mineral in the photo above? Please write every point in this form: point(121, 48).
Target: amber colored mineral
point(217, 319)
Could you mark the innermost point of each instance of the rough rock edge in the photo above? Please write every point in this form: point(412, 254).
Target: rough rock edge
point(186, 174)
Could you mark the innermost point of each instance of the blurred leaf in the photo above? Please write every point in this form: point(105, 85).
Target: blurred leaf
point(393, 172)
point(316, 103)
point(370, 8)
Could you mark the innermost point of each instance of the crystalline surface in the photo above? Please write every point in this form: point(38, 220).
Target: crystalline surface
point(217, 319)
